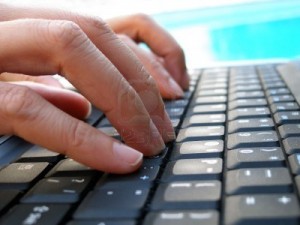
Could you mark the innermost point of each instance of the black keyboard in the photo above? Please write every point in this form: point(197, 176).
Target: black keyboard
point(236, 161)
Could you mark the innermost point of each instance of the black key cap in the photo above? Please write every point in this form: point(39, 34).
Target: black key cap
point(286, 106)
point(57, 190)
point(4, 138)
point(289, 130)
point(297, 179)
point(295, 163)
point(245, 103)
point(245, 125)
point(210, 100)
point(20, 175)
point(291, 145)
point(145, 175)
point(69, 167)
point(191, 169)
point(7, 196)
point(187, 195)
point(274, 209)
point(252, 139)
point(207, 109)
point(197, 149)
point(278, 91)
point(102, 222)
point(180, 217)
point(200, 133)
point(36, 214)
point(255, 158)
point(281, 98)
point(262, 180)
point(156, 160)
point(212, 92)
point(246, 95)
point(246, 113)
point(95, 116)
point(175, 112)
point(39, 154)
point(119, 202)
point(181, 103)
point(204, 120)
point(287, 117)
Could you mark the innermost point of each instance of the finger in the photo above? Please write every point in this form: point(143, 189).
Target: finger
point(69, 101)
point(168, 87)
point(119, 54)
point(49, 80)
point(142, 28)
point(26, 114)
point(51, 47)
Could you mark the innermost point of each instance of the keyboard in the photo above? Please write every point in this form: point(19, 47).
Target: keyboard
point(235, 161)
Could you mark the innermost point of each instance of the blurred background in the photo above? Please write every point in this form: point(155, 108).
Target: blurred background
point(210, 30)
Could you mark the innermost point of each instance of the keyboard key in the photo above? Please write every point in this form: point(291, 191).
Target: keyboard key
point(247, 113)
point(187, 195)
point(207, 109)
point(278, 91)
point(7, 196)
point(39, 154)
point(145, 175)
point(286, 106)
point(291, 145)
point(255, 158)
point(295, 163)
point(57, 190)
point(103, 222)
point(245, 125)
point(287, 117)
point(212, 92)
point(200, 133)
point(245, 103)
point(262, 180)
point(289, 130)
point(175, 112)
point(204, 120)
point(181, 103)
point(252, 139)
point(36, 214)
point(281, 98)
point(251, 87)
point(180, 217)
point(193, 169)
point(20, 175)
point(197, 149)
point(297, 179)
point(246, 95)
point(262, 209)
point(95, 116)
point(69, 167)
point(210, 100)
point(113, 203)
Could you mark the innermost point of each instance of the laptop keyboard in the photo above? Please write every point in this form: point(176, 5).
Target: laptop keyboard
point(236, 160)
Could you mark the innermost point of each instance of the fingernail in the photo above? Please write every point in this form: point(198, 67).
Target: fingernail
point(127, 154)
point(157, 138)
point(175, 87)
point(89, 112)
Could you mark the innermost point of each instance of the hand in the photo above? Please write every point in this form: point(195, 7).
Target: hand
point(165, 62)
point(86, 52)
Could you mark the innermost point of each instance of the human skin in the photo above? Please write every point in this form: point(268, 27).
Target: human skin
point(36, 43)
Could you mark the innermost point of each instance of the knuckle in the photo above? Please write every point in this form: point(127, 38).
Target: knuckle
point(18, 102)
point(155, 65)
point(65, 34)
point(142, 18)
point(78, 136)
point(94, 22)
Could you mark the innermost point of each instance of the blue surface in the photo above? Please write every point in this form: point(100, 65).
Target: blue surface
point(248, 31)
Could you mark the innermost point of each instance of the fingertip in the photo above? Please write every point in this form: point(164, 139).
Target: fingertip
point(185, 81)
point(127, 155)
